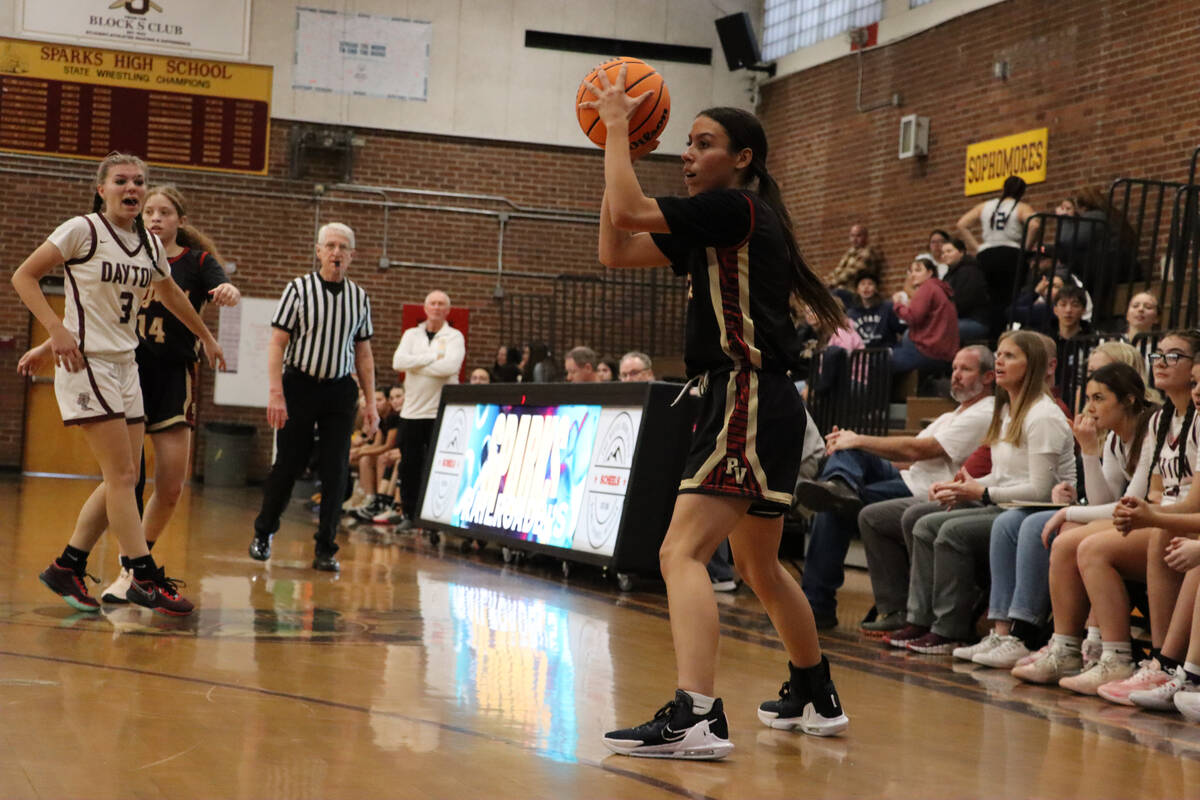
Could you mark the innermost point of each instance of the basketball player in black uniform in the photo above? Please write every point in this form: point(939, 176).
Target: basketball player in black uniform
point(732, 237)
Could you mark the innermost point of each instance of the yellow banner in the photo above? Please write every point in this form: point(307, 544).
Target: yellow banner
point(990, 162)
point(64, 62)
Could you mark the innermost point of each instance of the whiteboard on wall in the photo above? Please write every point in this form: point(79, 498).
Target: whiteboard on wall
point(245, 330)
point(362, 54)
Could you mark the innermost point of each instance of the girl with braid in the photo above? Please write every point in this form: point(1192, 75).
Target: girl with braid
point(111, 262)
point(732, 237)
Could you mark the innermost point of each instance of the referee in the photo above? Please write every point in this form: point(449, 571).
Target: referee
point(320, 332)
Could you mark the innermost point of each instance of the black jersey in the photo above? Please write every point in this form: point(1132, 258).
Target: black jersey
point(731, 245)
point(160, 334)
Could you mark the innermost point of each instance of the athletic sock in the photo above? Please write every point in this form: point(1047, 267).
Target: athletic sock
point(1166, 662)
point(126, 562)
point(1093, 632)
point(701, 703)
point(1122, 650)
point(143, 567)
point(74, 559)
point(1073, 643)
point(1192, 671)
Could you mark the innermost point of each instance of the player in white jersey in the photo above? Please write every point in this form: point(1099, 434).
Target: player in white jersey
point(110, 262)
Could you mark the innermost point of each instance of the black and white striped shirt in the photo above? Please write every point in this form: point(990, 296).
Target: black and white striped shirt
point(324, 326)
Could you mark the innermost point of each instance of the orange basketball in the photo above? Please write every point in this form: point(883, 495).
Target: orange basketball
point(648, 120)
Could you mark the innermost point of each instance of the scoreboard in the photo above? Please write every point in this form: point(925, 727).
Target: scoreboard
point(85, 102)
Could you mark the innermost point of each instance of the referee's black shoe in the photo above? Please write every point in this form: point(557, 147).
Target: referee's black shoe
point(260, 546)
point(326, 562)
point(676, 732)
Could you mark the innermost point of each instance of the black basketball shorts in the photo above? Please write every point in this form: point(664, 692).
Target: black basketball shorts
point(167, 394)
point(749, 440)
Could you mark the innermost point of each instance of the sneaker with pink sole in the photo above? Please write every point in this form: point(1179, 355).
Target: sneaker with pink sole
point(1111, 667)
point(1150, 675)
point(1161, 697)
point(1187, 702)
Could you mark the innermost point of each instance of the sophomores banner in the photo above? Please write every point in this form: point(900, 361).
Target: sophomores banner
point(205, 28)
point(990, 162)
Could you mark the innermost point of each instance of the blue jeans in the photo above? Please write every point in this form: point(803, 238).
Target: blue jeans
point(906, 357)
point(873, 479)
point(1020, 567)
point(970, 330)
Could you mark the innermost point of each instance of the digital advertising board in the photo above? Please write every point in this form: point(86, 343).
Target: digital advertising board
point(548, 468)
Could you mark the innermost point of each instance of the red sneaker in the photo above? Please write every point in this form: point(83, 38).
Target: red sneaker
point(159, 594)
point(69, 586)
point(934, 644)
point(902, 637)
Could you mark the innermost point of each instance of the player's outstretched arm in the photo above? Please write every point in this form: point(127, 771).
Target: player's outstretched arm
point(26, 280)
point(172, 297)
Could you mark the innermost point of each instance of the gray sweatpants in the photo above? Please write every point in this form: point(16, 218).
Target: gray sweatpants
point(949, 569)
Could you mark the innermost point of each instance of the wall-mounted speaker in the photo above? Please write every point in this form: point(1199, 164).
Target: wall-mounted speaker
point(738, 41)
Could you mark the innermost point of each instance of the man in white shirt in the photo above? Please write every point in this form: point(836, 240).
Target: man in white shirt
point(859, 473)
point(431, 355)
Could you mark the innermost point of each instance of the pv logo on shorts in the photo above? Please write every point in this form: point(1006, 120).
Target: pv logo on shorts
point(735, 469)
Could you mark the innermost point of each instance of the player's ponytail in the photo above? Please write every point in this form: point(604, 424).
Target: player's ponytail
point(97, 203)
point(745, 131)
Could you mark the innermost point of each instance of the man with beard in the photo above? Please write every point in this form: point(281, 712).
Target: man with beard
point(859, 480)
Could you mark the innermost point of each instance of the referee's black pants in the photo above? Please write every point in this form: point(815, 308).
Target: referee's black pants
point(415, 435)
point(331, 407)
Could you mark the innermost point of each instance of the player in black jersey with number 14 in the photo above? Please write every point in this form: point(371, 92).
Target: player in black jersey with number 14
point(733, 238)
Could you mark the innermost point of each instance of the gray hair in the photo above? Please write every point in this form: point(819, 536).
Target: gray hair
point(336, 227)
point(987, 359)
point(645, 359)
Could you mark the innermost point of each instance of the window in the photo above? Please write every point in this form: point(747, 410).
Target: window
point(915, 3)
point(791, 24)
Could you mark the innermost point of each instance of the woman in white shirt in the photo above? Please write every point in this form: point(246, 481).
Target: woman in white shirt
point(1020, 562)
point(1002, 220)
point(1031, 452)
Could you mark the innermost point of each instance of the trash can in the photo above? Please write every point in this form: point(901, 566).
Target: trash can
point(226, 453)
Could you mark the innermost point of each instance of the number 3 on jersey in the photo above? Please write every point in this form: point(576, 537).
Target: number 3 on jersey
point(156, 328)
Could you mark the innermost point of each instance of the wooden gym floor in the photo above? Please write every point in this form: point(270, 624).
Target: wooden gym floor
point(423, 671)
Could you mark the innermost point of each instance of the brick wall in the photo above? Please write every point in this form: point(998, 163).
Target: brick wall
point(266, 226)
point(1113, 81)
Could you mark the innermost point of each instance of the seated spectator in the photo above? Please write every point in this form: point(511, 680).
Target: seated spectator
point(861, 257)
point(936, 240)
point(1032, 451)
point(388, 467)
point(1069, 304)
point(367, 456)
point(1141, 315)
point(971, 298)
point(831, 348)
point(607, 369)
point(506, 368)
point(1006, 227)
point(537, 365)
point(874, 319)
point(859, 477)
point(480, 375)
point(580, 365)
point(932, 337)
point(636, 367)
point(1020, 553)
